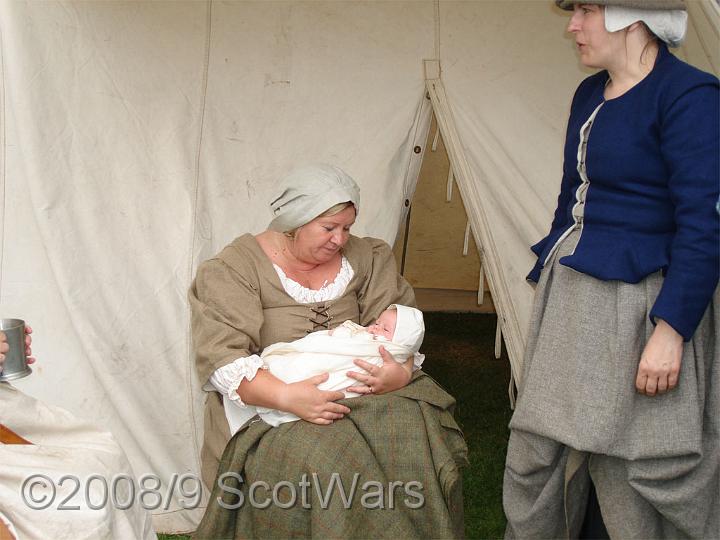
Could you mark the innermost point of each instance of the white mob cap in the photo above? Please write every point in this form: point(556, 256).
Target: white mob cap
point(409, 328)
point(670, 25)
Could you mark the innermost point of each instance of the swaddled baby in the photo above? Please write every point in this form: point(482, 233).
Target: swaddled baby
point(400, 329)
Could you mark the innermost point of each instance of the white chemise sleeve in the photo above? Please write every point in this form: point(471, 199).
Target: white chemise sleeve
point(226, 381)
point(227, 378)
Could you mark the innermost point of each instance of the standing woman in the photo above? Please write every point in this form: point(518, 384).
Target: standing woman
point(621, 384)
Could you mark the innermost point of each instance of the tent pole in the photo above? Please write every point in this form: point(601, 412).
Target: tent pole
point(405, 241)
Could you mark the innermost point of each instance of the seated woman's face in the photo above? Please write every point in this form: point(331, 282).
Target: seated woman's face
point(321, 239)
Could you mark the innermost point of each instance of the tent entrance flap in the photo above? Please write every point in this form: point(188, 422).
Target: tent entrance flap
point(471, 191)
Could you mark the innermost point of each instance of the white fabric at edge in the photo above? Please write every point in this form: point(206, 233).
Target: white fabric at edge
point(64, 446)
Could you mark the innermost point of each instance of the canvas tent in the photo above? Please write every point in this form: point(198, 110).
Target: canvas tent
point(138, 138)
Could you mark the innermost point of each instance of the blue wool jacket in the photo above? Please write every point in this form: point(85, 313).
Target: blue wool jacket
point(653, 161)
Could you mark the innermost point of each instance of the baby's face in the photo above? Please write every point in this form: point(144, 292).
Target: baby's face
point(385, 324)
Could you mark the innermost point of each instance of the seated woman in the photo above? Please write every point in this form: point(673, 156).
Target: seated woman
point(307, 273)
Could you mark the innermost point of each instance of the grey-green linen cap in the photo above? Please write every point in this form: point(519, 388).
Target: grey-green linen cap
point(636, 4)
point(307, 192)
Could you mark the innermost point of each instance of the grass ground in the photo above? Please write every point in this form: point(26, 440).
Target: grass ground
point(460, 356)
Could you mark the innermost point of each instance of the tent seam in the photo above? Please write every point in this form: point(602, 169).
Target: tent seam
point(193, 225)
point(407, 196)
point(414, 142)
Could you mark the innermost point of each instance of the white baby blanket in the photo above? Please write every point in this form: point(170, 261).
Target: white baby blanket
point(321, 352)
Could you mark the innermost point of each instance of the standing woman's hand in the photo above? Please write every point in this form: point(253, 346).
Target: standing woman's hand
point(659, 367)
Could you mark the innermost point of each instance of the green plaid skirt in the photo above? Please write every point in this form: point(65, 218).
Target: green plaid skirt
point(391, 468)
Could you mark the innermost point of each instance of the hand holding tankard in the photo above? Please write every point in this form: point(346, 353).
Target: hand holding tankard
point(15, 349)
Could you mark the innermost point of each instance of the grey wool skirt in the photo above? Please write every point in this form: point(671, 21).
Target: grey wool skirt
point(655, 461)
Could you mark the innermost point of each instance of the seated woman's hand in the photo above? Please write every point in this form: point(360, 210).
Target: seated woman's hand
point(306, 401)
point(392, 375)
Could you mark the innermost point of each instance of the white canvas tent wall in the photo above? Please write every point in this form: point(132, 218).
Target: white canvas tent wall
point(140, 137)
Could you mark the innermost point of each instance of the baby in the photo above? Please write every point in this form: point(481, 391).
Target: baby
point(400, 329)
